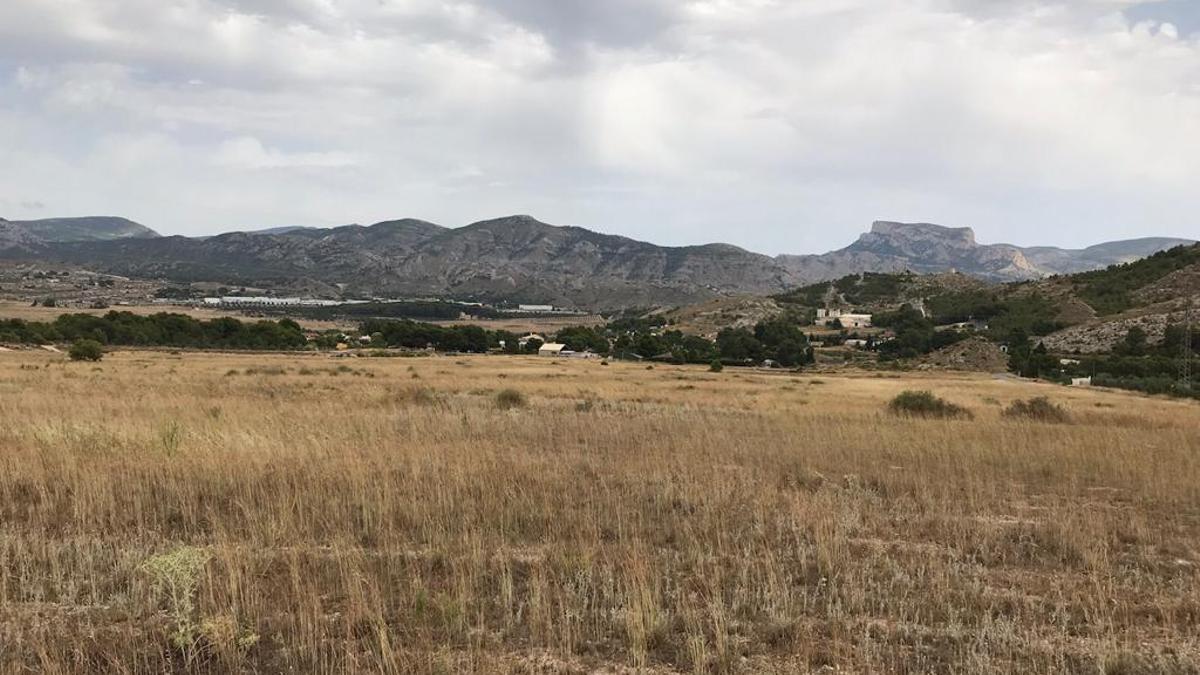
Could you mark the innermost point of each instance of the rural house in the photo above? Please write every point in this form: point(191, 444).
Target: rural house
point(552, 349)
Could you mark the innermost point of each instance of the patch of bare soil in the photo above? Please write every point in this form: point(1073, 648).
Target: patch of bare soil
point(973, 354)
point(707, 319)
point(1072, 310)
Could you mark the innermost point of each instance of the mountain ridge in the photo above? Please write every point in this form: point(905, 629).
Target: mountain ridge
point(519, 258)
point(62, 230)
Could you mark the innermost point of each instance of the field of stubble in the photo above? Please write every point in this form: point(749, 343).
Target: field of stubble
point(255, 513)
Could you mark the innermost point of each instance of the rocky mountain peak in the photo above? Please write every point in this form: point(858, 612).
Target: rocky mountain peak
point(962, 237)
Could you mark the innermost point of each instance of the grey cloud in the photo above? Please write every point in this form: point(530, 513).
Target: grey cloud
point(620, 23)
point(783, 126)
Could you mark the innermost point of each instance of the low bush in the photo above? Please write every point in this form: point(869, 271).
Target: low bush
point(422, 396)
point(716, 366)
point(264, 370)
point(925, 404)
point(86, 350)
point(1040, 409)
point(507, 399)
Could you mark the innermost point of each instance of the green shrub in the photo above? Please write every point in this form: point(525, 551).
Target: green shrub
point(507, 399)
point(86, 350)
point(925, 404)
point(716, 366)
point(1040, 409)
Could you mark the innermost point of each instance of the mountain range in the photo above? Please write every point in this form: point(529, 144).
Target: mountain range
point(59, 230)
point(518, 258)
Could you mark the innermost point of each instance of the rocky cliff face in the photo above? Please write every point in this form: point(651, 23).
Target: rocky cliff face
point(919, 247)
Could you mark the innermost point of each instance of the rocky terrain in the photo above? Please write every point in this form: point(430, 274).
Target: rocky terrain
point(708, 318)
point(519, 259)
point(1101, 306)
point(975, 354)
point(929, 248)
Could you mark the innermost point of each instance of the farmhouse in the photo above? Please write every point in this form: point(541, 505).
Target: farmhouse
point(826, 317)
point(553, 349)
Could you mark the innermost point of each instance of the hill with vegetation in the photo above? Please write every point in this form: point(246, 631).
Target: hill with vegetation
point(1123, 325)
point(1161, 284)
point(518, 259)
point(62, 230)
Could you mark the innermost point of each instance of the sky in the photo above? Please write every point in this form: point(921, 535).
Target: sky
point(784, 126)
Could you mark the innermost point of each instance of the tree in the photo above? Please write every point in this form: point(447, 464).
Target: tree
point(86, 350)
point(738, 345)
point(1026, 360)
point(1134, 343)
point(583, 338)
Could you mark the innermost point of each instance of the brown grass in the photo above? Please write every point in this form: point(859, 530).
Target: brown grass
point(157, 515)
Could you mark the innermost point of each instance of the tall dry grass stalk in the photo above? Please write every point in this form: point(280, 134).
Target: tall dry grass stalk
point(391, 517)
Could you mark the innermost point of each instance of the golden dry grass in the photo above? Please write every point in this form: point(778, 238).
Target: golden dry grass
point(228, 513)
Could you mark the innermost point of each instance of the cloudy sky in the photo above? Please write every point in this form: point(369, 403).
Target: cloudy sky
point(779, 125)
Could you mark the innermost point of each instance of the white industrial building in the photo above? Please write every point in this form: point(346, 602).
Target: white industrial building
point(267, 301)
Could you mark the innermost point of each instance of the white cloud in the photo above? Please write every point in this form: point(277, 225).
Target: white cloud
point(784, 126)
point(248, 152)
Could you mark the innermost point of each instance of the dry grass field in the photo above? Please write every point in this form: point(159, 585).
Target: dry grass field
point(224, 513)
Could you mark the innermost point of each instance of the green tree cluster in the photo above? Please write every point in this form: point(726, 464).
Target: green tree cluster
point(157, 330)
point(914, 334)
point(415, 335)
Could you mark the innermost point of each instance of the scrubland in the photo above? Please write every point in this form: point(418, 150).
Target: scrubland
point(218, 513)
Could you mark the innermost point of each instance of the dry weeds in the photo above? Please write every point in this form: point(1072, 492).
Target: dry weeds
point(157, 515)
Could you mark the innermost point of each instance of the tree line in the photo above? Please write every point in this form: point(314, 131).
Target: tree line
point(157, 330)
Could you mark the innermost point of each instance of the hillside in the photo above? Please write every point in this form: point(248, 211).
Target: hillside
point(1151, 294)
point(1065, 261)
point(1086, 312)
point(516, 258)
point(94, 228)
point(520, 259)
